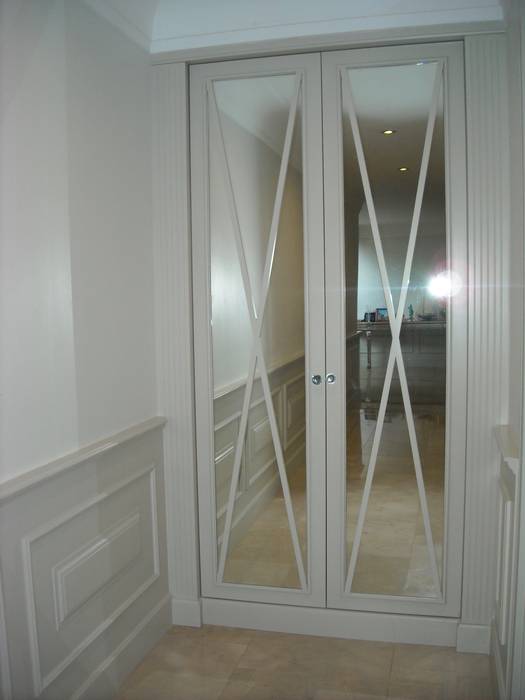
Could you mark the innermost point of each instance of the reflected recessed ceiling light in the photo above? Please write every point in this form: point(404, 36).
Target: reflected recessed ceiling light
point(403, 169)
point(389, 132)
point(420, 63)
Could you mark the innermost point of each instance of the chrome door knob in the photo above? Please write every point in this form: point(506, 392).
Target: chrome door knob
point(316, 379)
point(330, 378)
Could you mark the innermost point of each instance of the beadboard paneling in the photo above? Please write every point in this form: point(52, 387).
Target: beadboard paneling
point(83, 562)
point(174, 332)
point(487, 151)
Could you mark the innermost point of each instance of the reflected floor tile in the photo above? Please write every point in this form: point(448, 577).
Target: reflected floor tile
point(393, 525)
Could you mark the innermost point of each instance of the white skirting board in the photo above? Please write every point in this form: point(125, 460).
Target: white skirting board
point(499, 669)
point(107, 678)
point(187, 613)
point(474, 638)
point(382, 627)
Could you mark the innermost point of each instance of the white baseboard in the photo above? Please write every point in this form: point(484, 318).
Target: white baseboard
point(186, 612)
point(474, 639)
point(105, 679)
point(346, 624)
point(497, 665)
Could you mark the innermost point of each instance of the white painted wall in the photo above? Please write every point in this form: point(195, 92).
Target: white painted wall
point(38, 409)
point(109, 148)
point(76, 299)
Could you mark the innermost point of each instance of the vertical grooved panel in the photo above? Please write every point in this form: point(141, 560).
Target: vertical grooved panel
point(487, 152)
point(174, 324)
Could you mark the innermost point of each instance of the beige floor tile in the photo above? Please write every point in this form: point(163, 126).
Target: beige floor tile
point(472, 665)
point(423, 664)
point(399, 690)
point(162, 685)
point(470, 688)
point(236, 690)
point(215, 663)
point(208, 658)
point(337, 695)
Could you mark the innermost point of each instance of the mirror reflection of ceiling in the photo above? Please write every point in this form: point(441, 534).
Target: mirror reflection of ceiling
point(387, 97)
point(396, 98)
point(170, 25)
point(261, 106)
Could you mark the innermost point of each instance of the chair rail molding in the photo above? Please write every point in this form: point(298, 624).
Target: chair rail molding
point(174, 329)
point(488, 235)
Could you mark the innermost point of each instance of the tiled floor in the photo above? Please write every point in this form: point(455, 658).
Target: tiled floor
point(213, 663)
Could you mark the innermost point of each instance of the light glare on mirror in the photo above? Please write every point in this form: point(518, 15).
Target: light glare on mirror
point(444, 285)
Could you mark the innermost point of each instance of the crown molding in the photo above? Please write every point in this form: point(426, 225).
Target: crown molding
point(124, 23)
point(325, 42)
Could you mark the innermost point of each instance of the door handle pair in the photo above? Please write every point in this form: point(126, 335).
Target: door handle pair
point(317, 379)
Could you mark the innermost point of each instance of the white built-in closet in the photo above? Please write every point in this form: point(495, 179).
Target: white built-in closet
point(330, 322)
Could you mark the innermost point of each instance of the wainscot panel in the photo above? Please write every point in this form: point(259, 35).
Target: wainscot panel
point(83, 567)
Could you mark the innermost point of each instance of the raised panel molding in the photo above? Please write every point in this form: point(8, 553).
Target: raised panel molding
point(83, 570)
point(174, 325)
point(488, 235)
point(42, 681)
point(87, 571)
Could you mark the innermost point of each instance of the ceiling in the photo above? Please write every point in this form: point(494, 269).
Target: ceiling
point(170, 25)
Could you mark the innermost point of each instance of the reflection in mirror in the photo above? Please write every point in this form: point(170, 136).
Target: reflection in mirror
point(257, 298)
point(394, 521)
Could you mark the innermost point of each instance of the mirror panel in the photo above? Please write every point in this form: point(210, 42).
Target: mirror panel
point(395, 404)
point(258, 330)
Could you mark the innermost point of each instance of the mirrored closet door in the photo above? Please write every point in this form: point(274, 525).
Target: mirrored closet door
point(259, 329)
point(396, 326)
point(329, 247)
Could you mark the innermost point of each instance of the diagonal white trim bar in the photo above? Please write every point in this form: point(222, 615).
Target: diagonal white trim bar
point(395, 355)
point(256, 319)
